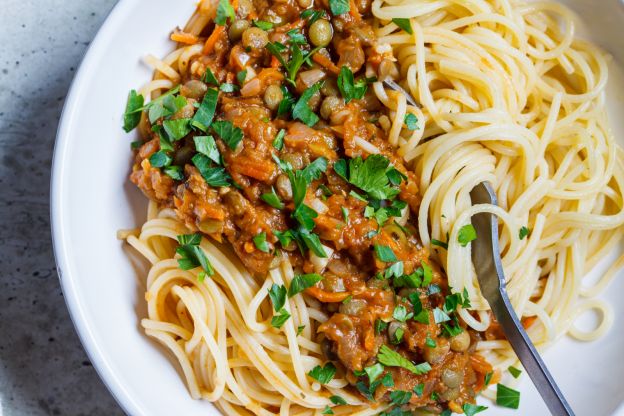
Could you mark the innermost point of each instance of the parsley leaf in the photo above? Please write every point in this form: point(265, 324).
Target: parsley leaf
point(370, 176)
point(430, 342)
point(192, 255)
point(524, 231)
point(230, 134)
point(439, 243)
point(287, 102)
point(507, 397)
point(305, 216)
point(278, 320)
point(160, 159)
point(175, 172)
point(467, 233)
point(400, 314)
point(314, 170)
point(214, 176)
point(260, 242)
point(323, 374)
point(132, 115)
point(391, 358)
point(205, 113)
point(206, 145)
point(400, 397)
point(277, 293)
point(472, 409)
point(241, 76)
point(327, 411)
point(349, 88)
point(373, 372)
point(177, 129)
point(278, 142)
point(224, 10)
point(384, 253)
point(227, 87)
point(411, 121)
point(303, 281)
point(403, 24)
point(312, 15)
point(263, 24)
point(440, 316)
point(488, 378)
point(209, 77)
point(339, 7)
point(380, 326)
point(312, 242)
point(419, 388)
point(301, 110)
point(515, 372)
point(337, 400)
point(272, 199)
point(395, 270)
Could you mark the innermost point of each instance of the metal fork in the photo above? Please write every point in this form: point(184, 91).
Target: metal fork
point(487, 262)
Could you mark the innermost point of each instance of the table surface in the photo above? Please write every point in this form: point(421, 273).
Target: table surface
point(43, 368)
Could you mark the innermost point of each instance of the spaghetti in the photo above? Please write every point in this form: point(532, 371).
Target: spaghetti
point(508, 95)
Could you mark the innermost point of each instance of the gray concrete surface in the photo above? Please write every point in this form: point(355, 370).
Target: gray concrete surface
point(43, 368)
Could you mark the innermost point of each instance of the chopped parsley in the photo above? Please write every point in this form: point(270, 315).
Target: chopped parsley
point(400, 314)
point(206, 111)
point(277, 293)
point(404, 24)
point(327, 411)
point(302, 111)
point(209, 78)
point(400, 397)
point(345, 214)
point(160, 159)
point(323, 374)
point(192, 255)
point(224, 11)
point(488, 378)
point(380, 326)
point(272, 199)
point(260, 242)
point(230, 134)
point(411, 121)
point(300, 329)
point(368, 175)
point(439, 243)
point(524, 231)
point(228, 87)
point(303, 281)
point(396, 270)
point(178, 128)
point(373, 372)
point(214, 176)
point(515, 372)
point(278, 142)
point(132, 115)
point(206, 146)
point(285, 106)
point(430, 342)
point(472, 409)
point(349, 88)
point(507, 397)
point(440, 316)
point(467, 233)
point(391, 358)
point(278, 320)
point(384, 253)
point(175, 172)
point(337, 400)
point(339, 7)
point(312, 15)
point(263, 24)
point(419, 388)
point(241, 76)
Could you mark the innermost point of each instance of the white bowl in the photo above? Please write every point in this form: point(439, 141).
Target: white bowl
point(92, 199)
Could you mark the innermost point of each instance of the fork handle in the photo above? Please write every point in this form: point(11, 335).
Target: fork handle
point(529, 357)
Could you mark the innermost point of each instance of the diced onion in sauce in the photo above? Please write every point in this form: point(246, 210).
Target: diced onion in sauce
point(320, 263)
point(311, 77)
point(319, 206)
point(402, 220)
point(251, 88)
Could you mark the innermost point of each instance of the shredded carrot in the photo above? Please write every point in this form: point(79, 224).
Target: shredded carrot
point(480, 364)
point(249, 248)
point(327, 297)
point(528, 321)
point(326, 63)
point(184, 37)
point(259, 169)
point(297, 24)
point(455, 408)
point(212, 39)
point(354, 12)
point(235, 4)
point(275, 63)
point(369, 339)
point(269, 73)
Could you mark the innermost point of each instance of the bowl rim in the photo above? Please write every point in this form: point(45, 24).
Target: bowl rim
point(60, 244)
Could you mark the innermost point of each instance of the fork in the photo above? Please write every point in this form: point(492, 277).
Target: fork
point(487, 261)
